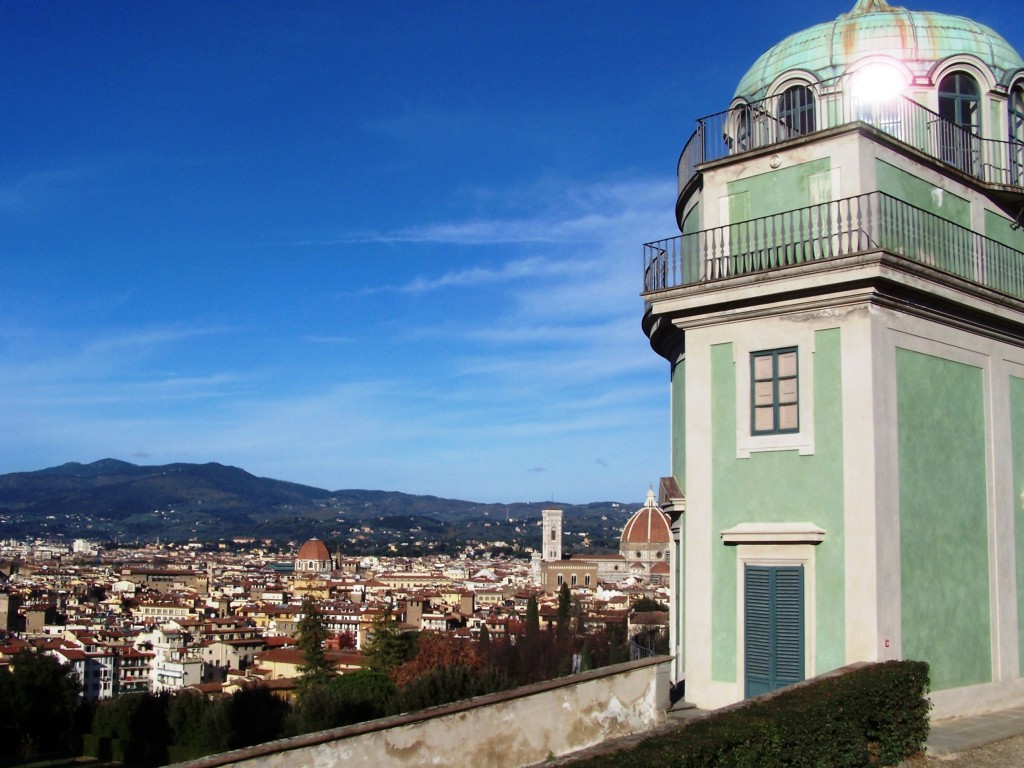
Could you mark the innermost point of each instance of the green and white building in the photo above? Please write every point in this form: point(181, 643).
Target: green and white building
point(843, 315)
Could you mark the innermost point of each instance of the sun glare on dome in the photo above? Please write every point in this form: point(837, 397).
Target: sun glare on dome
point(878, 82)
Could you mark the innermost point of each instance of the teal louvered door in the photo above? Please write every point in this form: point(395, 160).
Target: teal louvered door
point(773, 610)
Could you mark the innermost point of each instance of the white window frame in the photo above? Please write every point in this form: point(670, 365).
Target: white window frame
point(764, 341)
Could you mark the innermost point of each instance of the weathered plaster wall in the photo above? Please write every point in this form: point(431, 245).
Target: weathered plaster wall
point(920, 193)
point(785, 189)
point(1000, 229)
point(505, 730)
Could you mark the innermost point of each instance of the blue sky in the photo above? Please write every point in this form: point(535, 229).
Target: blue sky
point(354, 245)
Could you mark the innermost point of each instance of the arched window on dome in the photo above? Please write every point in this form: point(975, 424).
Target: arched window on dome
point(960, 124)
point(742, 130)
point(738, 133)
point(796, 112)
point(1017, 134)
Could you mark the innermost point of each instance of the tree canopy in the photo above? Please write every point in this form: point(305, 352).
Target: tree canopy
point(38, 700)
point(388, 646)
point(435, 650)
point(647, 604)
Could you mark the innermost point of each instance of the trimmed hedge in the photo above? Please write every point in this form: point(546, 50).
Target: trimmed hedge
point(103, 748)
point(874, 715)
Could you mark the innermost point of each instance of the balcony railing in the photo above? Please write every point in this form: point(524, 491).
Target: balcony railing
point(829, 230)
point(648, 643)
point(761, 124)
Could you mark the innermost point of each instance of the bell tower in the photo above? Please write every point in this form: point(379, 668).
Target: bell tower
point(552, 546)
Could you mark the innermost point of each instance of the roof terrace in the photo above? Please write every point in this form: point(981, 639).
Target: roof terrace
point(805, 110)
point(843, 227)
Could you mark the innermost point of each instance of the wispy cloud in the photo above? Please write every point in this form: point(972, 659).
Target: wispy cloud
point(548, 212)
point(513, 270)
point(65, 367)
point(137, 340)
point(329, 340)
point(37, 188)
point(492, 232)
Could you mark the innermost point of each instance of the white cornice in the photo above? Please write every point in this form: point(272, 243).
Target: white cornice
point(773, 533)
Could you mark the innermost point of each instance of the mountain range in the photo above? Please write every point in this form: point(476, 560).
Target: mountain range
point(112, 500)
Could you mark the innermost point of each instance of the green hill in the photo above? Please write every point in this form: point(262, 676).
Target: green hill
point(117, 500)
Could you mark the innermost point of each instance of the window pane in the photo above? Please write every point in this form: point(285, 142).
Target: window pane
point(763, 367)
point(774, 391)
point(787, 364)
point(787, 391)
point(763, 393)
point(788, 416)
point(764, 419)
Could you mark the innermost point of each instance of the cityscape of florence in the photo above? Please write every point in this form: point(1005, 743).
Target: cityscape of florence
point(388, 248)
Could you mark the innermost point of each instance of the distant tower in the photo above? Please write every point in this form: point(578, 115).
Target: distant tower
point(552, 534)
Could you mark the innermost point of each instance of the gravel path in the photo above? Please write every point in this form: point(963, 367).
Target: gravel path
point(998, 755)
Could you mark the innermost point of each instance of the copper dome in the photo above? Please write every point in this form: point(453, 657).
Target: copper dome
point(314, 549)
point(649, 525)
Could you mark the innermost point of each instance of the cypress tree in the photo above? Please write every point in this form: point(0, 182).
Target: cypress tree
point(315, 669)
point(564, 609)
point(532, 617)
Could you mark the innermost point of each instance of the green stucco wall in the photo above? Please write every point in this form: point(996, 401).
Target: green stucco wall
point(779, 486)
point(776, 191)
point(679, 423)
point(1003, 265)
point(943, 518)
point(1017, 437)
point(998, 228)
point(829, 493)
point(724, 632)
point(691, 223)
point(920, 193)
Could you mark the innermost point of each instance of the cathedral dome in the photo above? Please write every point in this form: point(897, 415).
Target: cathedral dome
point(315, 550)
point(648, 525)
point(917, 39)
point(313, 557)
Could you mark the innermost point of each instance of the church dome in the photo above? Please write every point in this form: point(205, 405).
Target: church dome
point(314, 549)
point(918, 39)
point(648, 525)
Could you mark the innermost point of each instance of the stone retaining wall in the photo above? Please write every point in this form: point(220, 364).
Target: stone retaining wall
point(503, 730)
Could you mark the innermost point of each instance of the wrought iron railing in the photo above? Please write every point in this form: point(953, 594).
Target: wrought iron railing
point(649, 642)
point(829, 230)
point(748, 126)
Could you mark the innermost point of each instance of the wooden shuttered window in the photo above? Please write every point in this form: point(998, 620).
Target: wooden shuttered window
point(773, 607)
